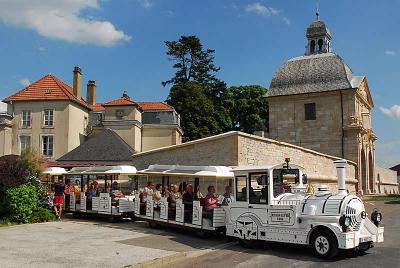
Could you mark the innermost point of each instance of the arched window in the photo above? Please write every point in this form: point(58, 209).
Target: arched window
point(312, 46)
point(320, 43)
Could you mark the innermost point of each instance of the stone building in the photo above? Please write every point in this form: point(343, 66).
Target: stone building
point(53, 118)
point(316, 101)
point(237, 149)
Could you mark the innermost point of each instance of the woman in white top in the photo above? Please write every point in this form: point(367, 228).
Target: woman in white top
point(148, 190)
point(157, 196)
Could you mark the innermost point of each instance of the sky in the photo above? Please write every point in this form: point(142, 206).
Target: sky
point(120, 44)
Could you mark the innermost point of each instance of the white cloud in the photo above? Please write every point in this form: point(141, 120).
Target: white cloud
point(260, 9)
point(286, 20)
point(25, 82)
point(393, 111)
point(391, 52)
point(146, 3)
point(61, 20)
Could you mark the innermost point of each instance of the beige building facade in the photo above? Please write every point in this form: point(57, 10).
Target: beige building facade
point(45, 116)
point(53, 118)
point(316, 101)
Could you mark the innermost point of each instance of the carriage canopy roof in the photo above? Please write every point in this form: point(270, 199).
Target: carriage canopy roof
point(254, 168)
point(106, 170)
point(200, 171)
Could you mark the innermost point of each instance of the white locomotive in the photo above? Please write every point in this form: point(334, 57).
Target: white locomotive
point(325, 221)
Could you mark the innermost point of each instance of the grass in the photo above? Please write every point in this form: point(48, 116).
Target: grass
point(390, 198)
point(4, 223)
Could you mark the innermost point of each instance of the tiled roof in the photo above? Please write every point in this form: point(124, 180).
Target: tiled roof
point(154, 105)
point(313, 73)
point(119, 102)
point(48, 87)
point(98, 107)
point(317, 28)
point(106, 146)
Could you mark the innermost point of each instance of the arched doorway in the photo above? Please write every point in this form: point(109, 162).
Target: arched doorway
point(371, 173)
point(363, 169)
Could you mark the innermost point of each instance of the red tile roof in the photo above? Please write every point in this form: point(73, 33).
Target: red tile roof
point(154, 105)
point(119, 102)
point(48, 87)
point(98, 107)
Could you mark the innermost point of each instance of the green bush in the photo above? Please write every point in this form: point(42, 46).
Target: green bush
point(42, 215)
point(21, 202)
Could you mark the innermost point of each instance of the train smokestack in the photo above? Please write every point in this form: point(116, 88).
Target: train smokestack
point(341, 174)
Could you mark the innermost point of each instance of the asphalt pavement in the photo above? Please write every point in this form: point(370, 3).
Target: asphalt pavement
point(98, 243)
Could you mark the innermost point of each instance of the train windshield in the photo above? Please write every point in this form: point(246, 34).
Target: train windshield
point(283, 179)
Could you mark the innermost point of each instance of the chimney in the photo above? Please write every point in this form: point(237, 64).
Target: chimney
point(77, 83)
point(91, 92)
point(341, 174)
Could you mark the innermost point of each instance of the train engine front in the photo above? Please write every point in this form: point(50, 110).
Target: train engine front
point(339, 221)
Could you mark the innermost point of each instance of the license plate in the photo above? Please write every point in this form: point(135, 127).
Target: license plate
point(365, 239)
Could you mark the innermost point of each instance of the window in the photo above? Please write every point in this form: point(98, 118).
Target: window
point(310, 113)
point(48, 118)
point(258, 191)
point(47, 145)
point(320, 43)
point(26, 119)
point(25, 142)
point(241, 189)
point(312, 46)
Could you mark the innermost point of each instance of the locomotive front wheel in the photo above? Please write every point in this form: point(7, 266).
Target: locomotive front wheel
point(324, 244)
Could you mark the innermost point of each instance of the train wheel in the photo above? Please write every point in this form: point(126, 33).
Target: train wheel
point(324, 244)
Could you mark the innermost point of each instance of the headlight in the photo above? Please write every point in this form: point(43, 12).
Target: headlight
point(376, 217)
point(363, 215)
point(345, 221)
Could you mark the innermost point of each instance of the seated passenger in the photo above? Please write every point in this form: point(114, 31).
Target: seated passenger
point(187, 197)
point(116, 192)
point(148, 190)
point(157, 196)
point(211, 200)
point(228, 197)
point(77, 190)
point(199, 195)
point(173, 195)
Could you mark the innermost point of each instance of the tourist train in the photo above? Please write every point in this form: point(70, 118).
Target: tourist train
point(267, 203)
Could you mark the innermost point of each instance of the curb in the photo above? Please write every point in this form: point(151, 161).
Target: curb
point(159, 262)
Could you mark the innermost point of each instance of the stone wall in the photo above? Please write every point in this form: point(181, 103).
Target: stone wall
point(319, 167)
point(219, 150)
point(236, 148)
point(386, 181)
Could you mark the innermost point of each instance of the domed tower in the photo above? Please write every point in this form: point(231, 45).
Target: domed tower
point(319, 37)
point(316, 101)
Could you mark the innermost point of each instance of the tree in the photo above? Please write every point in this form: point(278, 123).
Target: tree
point(17, 170)
point(192, 62)
point(197, 110)
point(249, 112)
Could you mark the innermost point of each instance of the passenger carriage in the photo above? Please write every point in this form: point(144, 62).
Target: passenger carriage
point(326, 221)
point(193, 216)
point(114, 195)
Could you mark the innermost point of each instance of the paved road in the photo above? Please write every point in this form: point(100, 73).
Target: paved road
point(95, 243)
point(284, 255)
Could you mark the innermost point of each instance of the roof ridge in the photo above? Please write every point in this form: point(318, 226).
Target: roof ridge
point(24, 88)
point(121, 139)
